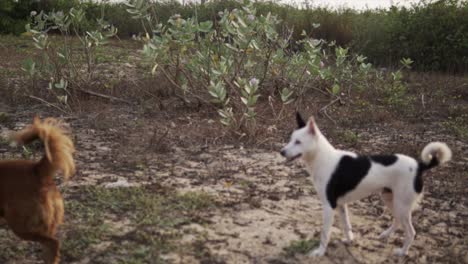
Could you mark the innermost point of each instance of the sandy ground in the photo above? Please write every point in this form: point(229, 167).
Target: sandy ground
point(265, 204)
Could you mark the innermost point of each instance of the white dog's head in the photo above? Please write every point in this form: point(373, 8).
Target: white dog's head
point(304, 140)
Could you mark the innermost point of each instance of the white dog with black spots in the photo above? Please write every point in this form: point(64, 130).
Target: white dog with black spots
point(341, 177)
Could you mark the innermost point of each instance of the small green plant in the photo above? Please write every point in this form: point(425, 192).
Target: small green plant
point(350, 137)
point(300, 247)
point(63, 64)
point(26, 153)
point(397, 90)
point(4, 117)
point(29, 66)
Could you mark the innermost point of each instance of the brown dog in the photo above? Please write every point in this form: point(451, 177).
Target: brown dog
point(29, 199)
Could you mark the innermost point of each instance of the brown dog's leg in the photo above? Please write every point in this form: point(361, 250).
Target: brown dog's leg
point(51, 250)
point(50, 246)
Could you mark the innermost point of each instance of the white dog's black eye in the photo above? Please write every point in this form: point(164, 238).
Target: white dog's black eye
point(297, 142)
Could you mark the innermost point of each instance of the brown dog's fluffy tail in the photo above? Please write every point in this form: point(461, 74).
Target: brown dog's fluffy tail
point(58, 146)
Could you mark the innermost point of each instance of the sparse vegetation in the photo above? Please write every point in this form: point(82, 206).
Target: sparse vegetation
point(459, 125)
point(143, 219)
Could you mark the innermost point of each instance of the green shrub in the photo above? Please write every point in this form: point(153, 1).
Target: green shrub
point(62, 61)
point(240, 59)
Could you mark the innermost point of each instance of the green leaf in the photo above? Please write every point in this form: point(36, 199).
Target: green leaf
point(155, 67)
point(336, 89)
point(231, 47)
point(361, 58)
point(254, 44)
point(245, 100)
point(285, 95)
point(29, 66)
point(205, 26)
point(406, 62)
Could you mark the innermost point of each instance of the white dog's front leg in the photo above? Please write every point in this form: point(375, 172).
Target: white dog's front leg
point(349, 236)
point(328, 217)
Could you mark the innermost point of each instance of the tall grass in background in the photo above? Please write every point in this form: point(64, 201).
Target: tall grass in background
point(434, 35)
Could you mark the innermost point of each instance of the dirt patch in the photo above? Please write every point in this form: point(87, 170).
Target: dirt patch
point(265, 210)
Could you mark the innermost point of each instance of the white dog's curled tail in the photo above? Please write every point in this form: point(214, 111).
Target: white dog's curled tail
point(435, 153)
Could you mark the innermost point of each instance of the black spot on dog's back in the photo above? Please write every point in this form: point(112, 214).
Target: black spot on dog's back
point(385, 160)
point(348, 174)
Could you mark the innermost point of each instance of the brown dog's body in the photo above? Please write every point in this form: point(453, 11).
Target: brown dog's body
point(29, 199)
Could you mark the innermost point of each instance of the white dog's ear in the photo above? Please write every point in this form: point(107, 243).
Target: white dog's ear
point(300, 120)
point(311, 125)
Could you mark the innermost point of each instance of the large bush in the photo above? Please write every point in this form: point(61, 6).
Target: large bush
point(243, 58)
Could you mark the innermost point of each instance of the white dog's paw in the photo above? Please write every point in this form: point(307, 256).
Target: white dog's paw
point(399, 252)
point(349, 238)
point(318, 252)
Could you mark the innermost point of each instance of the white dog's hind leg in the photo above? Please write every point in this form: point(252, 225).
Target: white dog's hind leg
point(385, 234)
point(405, 220)
point(402, 212)
point(328, 218)
point(346, 224)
